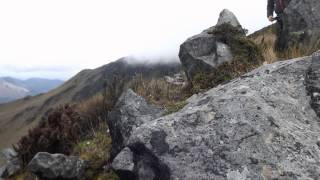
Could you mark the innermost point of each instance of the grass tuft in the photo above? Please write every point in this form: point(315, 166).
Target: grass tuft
point(298, 47)
point(169, 96)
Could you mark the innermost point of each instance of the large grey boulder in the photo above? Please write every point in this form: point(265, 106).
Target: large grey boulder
point(130, 112)
point(57, 166)
point(303, 15)
point(203, 53)
point(259, 126)
point(302, 19)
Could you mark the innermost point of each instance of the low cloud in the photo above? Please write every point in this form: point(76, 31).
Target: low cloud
point(51, 72)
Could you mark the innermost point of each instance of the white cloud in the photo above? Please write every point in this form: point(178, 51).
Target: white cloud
point(87, 34)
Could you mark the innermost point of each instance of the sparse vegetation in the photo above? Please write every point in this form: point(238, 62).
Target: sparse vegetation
point(95, 150)
point(266, 39)
point(246, 56)
point(80, 129)
point(23, 175)
point(107, 176)
point(158, 91)
point(56, 134)
point(77, 129)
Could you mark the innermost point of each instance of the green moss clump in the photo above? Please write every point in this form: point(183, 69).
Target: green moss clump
point(23, 175)
point(96, 150)
point(174, 107)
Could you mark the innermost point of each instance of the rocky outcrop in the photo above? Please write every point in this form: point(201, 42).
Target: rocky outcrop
point(57, 166)
point(259, 126)
point(12, 164)
point(228, 17)
point(302, 18)
point(203, 53)
point(79, 88)
point(303, 15)
point(313, 82)
point(130, 112)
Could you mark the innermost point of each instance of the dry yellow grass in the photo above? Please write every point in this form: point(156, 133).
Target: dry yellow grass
point(158, 91)
point(93, 109)
point(266, 39)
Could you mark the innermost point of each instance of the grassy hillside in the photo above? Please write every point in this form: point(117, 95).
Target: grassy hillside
point(17, 117)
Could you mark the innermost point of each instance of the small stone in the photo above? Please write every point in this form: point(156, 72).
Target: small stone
point(123, 161)
point(54, 166)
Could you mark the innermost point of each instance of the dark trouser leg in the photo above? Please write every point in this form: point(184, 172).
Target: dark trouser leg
point(282, 34)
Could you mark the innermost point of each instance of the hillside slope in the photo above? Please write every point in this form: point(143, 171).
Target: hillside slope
point(17, 117)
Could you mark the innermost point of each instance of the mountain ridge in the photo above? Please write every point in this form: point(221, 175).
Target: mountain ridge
point(20, 115)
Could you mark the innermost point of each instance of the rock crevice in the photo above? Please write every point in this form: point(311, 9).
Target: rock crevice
point(313, 82)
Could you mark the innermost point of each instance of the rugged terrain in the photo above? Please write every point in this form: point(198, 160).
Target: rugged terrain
point(241, 120)
point(259, 126)
point(17, 117)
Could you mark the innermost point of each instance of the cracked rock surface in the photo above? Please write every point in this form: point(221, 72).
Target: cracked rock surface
point(57, 166)
point(259, 126)
point(130, 112)
point(203, 52)
point(303, 15)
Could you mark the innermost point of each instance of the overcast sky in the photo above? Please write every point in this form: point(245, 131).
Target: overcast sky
point(57, 38)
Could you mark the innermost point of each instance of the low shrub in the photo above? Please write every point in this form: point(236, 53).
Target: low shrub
point(56, 134)
point(67, 125)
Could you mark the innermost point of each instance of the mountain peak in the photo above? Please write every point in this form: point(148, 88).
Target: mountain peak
point(226, 16)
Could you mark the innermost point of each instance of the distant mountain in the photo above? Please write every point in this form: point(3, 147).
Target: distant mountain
point(17, 117)
point(12, 88)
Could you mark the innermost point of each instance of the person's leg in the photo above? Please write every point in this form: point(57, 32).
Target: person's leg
point(278, 34)
point(282, 34)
